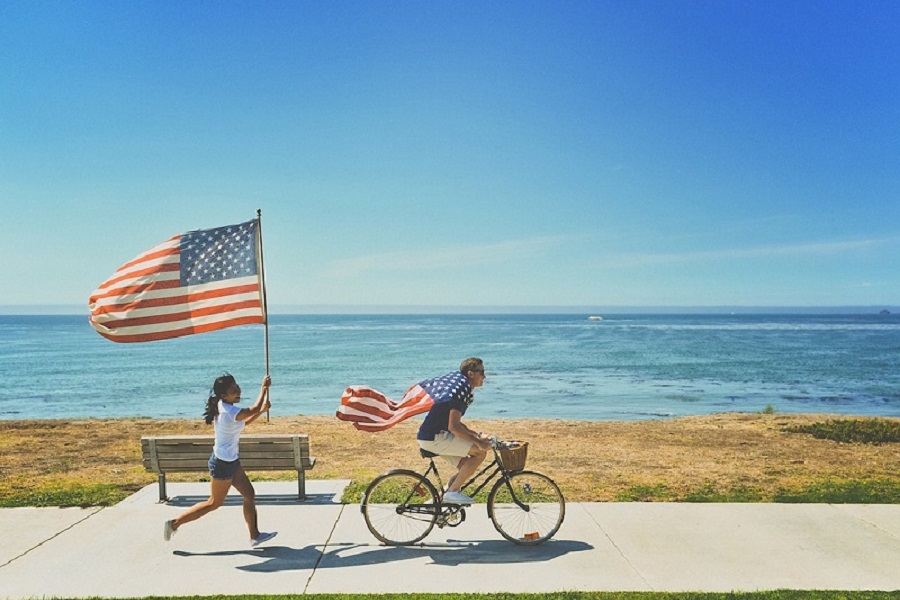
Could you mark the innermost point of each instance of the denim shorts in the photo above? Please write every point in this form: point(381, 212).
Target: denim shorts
point(222, 469)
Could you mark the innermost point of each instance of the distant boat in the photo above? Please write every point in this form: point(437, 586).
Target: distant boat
point(885, 312)
point(595, 318)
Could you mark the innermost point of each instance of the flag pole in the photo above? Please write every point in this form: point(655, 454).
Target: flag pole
point(265, 306)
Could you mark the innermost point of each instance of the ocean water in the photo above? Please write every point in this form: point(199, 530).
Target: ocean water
point(625, 367)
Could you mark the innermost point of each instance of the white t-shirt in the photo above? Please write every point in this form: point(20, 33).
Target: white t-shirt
point(228, 432)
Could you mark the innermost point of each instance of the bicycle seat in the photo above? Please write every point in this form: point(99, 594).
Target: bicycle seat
point(427, 454)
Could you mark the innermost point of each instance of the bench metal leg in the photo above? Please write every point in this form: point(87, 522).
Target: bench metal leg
point(162, 488)
point(301, 485)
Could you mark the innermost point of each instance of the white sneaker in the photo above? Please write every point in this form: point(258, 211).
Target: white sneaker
point(263, 537)
point(168, 530)
point(457, 498)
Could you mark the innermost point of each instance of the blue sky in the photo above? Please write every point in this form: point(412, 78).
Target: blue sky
point(670, 153)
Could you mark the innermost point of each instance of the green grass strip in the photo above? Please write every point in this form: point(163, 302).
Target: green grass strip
point(878, 491)
point(768, 595)
point(101, 494)
point(864, 431)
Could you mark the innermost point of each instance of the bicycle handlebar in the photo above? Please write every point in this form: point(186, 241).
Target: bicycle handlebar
point(497, 443)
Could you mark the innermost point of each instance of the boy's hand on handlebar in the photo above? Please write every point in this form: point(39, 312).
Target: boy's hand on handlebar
point(486, 441)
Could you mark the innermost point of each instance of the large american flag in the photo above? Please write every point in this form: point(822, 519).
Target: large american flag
point(195, 282)
point(370, 410)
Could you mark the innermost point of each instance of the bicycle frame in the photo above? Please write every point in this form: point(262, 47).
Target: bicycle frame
point(498, 470)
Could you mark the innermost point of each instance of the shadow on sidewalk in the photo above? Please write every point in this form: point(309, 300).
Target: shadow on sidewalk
point(451, 553)
point(234, 499)
point(273, 558)
point(282, 558)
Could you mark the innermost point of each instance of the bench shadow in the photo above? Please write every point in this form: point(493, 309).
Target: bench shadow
point(234, 499)
point(488, 552)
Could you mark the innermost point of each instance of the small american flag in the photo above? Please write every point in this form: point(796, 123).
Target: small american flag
point(195, 282)
point(370, 410)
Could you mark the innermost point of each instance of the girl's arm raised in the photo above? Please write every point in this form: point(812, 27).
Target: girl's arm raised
point(262, 404)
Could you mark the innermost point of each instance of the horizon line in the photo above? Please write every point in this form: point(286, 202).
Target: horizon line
point(422, 309)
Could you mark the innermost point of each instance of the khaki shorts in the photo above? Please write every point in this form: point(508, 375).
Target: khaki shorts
point(447, 446)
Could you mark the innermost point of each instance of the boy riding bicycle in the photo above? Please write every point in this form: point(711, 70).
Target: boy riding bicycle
point(443, 432)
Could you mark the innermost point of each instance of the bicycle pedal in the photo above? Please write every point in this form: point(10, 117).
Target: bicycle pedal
point(451, 519)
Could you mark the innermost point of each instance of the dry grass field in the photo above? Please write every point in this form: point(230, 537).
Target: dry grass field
point(591, 461)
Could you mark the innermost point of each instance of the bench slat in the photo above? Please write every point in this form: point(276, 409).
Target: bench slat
point(250, 437)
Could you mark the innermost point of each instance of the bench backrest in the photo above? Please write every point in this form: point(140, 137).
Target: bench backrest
point(273, 452)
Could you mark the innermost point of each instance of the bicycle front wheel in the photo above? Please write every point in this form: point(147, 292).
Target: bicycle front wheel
point(400, 507)
point(526, 509)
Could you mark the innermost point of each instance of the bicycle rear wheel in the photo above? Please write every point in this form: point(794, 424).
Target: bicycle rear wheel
point(400, 507)
point(527, 510)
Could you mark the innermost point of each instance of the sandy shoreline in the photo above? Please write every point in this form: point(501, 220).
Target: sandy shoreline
point(592, 461)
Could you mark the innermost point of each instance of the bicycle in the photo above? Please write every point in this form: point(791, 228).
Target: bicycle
point(402, 506)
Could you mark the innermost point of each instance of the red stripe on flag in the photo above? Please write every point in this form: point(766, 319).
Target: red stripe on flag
point(180, 316)
point(176, 300)
point(163, 268)
point(150, 254)
point(173, 333)
point(166, 284)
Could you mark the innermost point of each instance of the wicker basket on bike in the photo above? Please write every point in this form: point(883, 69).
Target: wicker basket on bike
point(513, 455)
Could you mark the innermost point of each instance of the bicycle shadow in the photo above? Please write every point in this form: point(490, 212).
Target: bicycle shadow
point(452, 553)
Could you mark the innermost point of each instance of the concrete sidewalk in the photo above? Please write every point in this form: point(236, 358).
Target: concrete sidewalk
point(324, 546)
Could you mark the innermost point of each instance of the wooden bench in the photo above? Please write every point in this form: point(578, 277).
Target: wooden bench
point(190, 453)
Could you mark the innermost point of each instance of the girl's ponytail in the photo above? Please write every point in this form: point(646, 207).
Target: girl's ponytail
point(220, 386)
point(212, 410)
